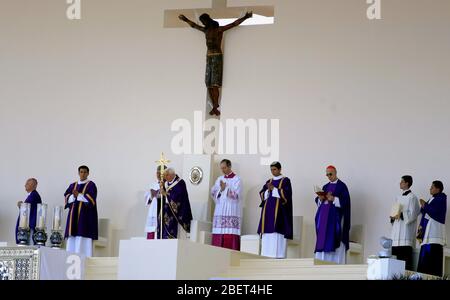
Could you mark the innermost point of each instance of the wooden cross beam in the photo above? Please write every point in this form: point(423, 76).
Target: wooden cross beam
point(218, 10)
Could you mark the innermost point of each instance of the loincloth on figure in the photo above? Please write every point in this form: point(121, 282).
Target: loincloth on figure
point(214, 70)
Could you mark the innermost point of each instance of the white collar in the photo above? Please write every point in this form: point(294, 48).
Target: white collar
point(83, 182)
point(172, 180)
point(29, 193)
point(334, 182)
point(231, 173)
point(277, 177)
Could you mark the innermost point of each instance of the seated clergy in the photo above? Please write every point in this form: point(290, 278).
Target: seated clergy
point(431, 231)
point(333, 220)
point(275, 224)
point(404, 215)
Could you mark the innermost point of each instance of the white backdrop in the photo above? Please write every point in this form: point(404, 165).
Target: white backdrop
point(370, 97)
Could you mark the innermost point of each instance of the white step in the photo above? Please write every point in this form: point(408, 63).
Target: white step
point(345, 269)
point(294, 277)
point(102, 261)
point(272, 269)
point(275, 263)
point(101, 268)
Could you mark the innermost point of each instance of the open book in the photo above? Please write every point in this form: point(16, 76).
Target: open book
point(318, 190)
point(396, 209)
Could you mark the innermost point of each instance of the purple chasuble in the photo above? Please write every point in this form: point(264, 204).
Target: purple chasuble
point(437, 210)
point(82, 219)
point(276, 213)
point(323, 217)
point(333, 223)
point(176, 210)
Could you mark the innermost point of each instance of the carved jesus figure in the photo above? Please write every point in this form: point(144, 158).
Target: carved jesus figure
point(214, 58)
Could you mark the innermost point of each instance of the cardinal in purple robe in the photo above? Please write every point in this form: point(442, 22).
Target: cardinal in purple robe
point(333, 220)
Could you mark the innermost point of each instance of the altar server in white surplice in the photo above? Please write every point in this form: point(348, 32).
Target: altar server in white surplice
point(404, 215)
point(227, 220)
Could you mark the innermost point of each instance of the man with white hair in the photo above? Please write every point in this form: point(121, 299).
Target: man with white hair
point(33, 199)
point(177, 214)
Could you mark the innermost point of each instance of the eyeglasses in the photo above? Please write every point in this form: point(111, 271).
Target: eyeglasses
point(329, 174)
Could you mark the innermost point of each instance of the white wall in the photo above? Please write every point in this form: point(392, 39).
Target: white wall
point(371, 97)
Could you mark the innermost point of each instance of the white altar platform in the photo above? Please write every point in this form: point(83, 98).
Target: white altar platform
point(142, 259)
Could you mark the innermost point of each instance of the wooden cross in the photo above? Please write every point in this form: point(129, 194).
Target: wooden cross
point(218, 10)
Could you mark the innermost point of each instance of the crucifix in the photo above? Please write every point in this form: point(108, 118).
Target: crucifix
point(214, 57)
point(162, 162)
point(214, 35)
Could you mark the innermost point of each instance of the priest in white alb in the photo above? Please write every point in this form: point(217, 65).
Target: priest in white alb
point(226, 192)
point(403, 217)
point(152, 200)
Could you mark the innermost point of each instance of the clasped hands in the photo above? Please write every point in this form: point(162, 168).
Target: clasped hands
point(223, 186)
point(328, 197)
point(75, 195)
point(422, 203)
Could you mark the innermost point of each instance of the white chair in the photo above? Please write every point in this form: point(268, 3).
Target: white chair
point(355, 255)
point(197, 227)
point(205, 237)
point(294, 245)
point(102, 247)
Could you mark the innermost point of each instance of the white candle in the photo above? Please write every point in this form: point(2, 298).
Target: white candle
point(23, 220)
point(41, 222)
point(56, 223)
